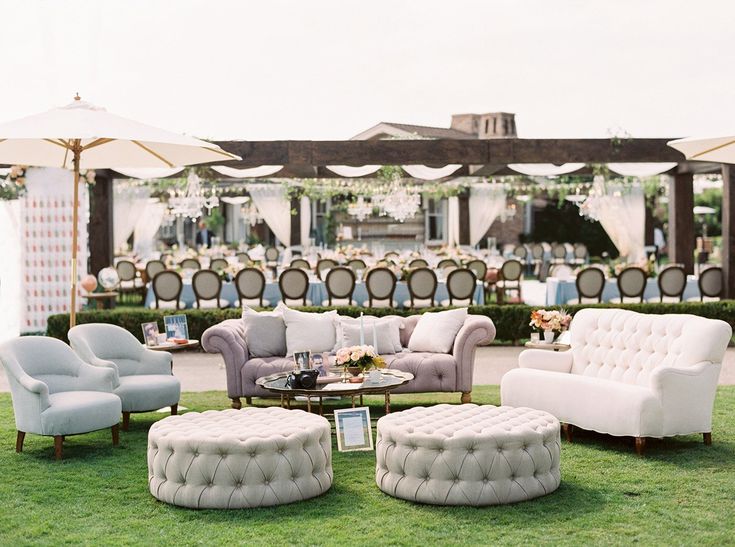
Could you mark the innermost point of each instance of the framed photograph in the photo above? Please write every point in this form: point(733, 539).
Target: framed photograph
point(319, 365)
point(301, 359)
point(176, 326)
point(150, 333)
point(354, 431)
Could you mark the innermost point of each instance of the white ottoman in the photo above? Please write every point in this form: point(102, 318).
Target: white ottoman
point(232, 459)
point(468, 454)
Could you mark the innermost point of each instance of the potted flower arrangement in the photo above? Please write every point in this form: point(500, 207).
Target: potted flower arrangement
point(357, 359)
point(550, 322)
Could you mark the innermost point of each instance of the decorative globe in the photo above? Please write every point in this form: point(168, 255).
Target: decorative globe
point(89, 283)
point(108, 278)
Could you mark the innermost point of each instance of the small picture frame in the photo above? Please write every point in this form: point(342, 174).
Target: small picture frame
point(176, 327)
point(354, 431)
point(150, 333)
point(319, 365)
point(535, 337)
point(302, 360)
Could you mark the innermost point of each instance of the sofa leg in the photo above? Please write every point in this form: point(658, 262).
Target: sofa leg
point(174, 410)
point(126, 421)
point(236, 403)
point(19, 441)
point(466, 397)
point(706, 436)
point(249, 400)
point(640, 445)
point(58, 446)
point(115, 434)
point(568, 432)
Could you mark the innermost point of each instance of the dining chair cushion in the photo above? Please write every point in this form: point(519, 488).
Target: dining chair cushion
point(144, 392)
point(265, 332)
point(418, 303)
point(212, 304)
point(254, 302)
point(167, 305)
point(338, 302)
point(435, 331)
point(73, 412)
point(462, 302)
point(314, 332)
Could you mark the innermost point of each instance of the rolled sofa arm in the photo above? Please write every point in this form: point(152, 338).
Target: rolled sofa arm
point(542, 359)
point(228, 339)
point(477, 330)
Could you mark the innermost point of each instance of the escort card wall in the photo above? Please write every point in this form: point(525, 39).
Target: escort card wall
point(46, 243)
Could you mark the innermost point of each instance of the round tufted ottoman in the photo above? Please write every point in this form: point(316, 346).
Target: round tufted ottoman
point(468, 454)
point(232, 459)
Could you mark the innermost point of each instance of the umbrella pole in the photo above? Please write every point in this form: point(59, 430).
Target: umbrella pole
point(74, 238)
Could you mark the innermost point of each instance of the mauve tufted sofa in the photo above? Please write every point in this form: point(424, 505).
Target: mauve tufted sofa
point(626, 374)
point(448, 372)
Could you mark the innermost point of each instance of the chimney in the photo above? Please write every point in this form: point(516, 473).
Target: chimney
point(467, 123)
point(496, 125)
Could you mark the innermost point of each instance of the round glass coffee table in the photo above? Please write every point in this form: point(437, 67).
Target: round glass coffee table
point(276, 383)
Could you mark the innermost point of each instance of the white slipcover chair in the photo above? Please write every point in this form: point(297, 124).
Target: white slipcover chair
point(55, 393)
point(143, 378)
point(626, 374)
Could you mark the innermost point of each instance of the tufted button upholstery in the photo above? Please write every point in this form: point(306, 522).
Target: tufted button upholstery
point(468, 454)
point(234, 459)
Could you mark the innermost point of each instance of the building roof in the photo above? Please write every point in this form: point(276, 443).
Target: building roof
point(412, 131)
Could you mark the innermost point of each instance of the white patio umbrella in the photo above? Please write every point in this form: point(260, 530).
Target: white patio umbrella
point(714, 149)
point(84, 136)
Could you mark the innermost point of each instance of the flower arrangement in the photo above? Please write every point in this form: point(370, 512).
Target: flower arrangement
point(647, 265)
point(359, 357)
point(550, 320)
point(13, 186)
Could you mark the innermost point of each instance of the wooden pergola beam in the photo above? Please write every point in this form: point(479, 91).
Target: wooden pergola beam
point(441, 152)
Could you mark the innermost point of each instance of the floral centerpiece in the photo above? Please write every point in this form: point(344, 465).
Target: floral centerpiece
point(647, 265)
point(550, 322)
point(357, 359)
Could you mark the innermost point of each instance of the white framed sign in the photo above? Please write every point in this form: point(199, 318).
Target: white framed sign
point(354, 431)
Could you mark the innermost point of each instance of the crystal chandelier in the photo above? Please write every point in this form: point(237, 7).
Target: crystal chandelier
point(191, 203)
point(360, 209)
point(400, 202)
point(251, 214)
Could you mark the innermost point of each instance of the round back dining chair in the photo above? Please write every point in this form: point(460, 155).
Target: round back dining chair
point(391, 253)
point(510, 273)
point(632, 283)
point(190, 264)
point(478, 267)
point(207, 285)
point(580, 252)
point(152, 267)
point(418, 263)
point(218, 264)
point(520, 252)
point(461, 285)
point(340, 284)
point(242, 257)
point(294, 286)
point(126, 271)
point(558, 252)
point(422, 285)
point(167, 286)
point(250, 286)
point(672, 281)
point(445, 263)
point(357, 265)
point(381, 285)
point(590, 283)
point(710, 283)
point(324, 264)
point(537, 252)
point(271, 254)
point(301, 263)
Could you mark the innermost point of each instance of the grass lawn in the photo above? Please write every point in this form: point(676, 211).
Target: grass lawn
point(680, 492)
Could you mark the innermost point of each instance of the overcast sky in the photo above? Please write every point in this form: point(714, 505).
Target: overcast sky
point(330, 69)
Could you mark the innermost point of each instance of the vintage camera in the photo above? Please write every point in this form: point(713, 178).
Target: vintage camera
point(302, 379)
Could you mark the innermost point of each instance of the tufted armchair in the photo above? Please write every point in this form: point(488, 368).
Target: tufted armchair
point(626, 374)
point(142, 378)
point(448, 372)
point(55, 393)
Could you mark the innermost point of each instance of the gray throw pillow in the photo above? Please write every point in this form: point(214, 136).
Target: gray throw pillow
point(265, 335)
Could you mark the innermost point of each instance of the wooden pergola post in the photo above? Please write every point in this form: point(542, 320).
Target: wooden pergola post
point(101, 246)
point(728, 229)
point(681, 220)
point(296, 222)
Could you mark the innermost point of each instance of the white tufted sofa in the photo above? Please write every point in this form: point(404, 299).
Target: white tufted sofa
point(235, 459)
point(468, 454)
point(627, 374)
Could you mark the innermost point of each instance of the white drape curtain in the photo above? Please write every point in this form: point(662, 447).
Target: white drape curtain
point(430, 173)
point(350, 171)
point(545, 169)
point(150, 172)
point(275, 208)
point(305, 226)
point(127, 207)
point(144, 235)
point(453, 221)
point(260, 171)
point(487, 202)
point(621, 210)
point(640, 169)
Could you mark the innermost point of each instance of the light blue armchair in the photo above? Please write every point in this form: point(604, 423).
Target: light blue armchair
point(55, 393)
point(142, 378)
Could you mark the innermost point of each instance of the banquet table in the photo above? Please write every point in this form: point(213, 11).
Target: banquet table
point(317, 294)
point(560, 291)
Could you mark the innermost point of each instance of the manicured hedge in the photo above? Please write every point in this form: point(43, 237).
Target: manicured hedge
point(511, 321)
